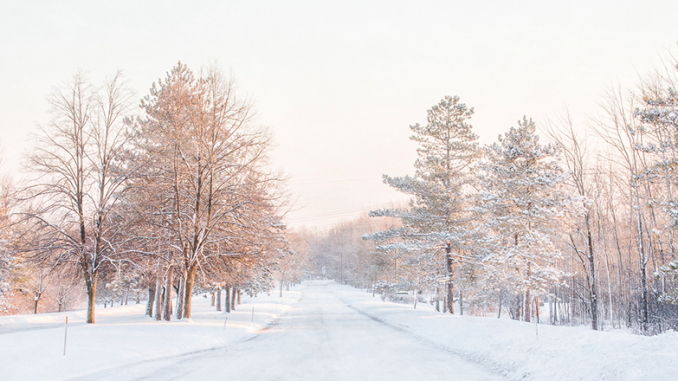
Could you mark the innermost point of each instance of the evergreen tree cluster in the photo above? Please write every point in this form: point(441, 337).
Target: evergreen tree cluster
point(579, 230)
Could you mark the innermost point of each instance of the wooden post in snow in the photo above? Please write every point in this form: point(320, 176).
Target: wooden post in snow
point(65, 335)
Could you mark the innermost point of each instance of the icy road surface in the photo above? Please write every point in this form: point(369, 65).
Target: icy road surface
point(322, 338)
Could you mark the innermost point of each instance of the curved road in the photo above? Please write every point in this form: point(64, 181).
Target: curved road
point(322, 338)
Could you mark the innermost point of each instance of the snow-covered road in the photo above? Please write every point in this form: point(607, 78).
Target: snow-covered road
point(321, 331)
point(322, 338)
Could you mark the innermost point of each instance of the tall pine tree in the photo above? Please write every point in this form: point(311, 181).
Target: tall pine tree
point(525, 208)
point(439, 219)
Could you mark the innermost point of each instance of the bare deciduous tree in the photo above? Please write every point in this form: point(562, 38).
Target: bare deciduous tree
point(203, 168)
point(79, 174)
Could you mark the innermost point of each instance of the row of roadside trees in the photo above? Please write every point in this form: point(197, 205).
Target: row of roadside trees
point(176, 198)
point(582, 226)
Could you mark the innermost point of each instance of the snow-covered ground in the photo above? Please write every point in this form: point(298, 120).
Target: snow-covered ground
point(322, 330)
point(523, 351)
point(32, 346)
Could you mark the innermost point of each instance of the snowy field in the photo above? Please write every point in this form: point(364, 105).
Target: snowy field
point(322, 330)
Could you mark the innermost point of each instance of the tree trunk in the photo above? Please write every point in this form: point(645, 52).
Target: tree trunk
point(593, 293)
point(643, 267)
point(239, 294)
point(552, 311)
point(190, 282)
point(167, 313)
point(180, 296)
point(233, 296)
point(526, 306)
point(437, 299)
point(219, 299)
point(228, 298)
point(159, 292)
point(281, 286)
point(644, 297)
point(449, 302)
point(461, 302)
point(415, 298)
point(151, 299)
point(557, 311)
point(517, 307)
point(91, 297)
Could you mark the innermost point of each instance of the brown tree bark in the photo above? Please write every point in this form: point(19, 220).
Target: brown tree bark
point(190, 282)
point(91, 297)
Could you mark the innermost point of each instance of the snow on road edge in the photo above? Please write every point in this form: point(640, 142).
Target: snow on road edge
point(515, 350)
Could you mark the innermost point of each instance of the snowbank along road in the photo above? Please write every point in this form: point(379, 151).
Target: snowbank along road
point(322, 338)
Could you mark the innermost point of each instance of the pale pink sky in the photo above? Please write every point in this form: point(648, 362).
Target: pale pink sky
point(339, 83)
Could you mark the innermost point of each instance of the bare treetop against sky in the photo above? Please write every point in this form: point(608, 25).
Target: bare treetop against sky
point(338, 84)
